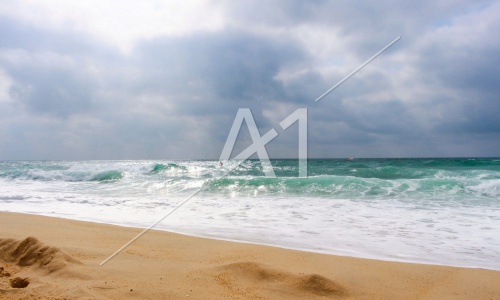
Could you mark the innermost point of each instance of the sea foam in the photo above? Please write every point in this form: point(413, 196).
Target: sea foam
point(440, 211)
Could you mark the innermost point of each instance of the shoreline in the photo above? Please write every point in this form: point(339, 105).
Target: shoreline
point(315, 251)
point(376, 209)
point(209, 268)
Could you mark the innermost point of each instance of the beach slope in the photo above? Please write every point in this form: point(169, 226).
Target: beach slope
point(59, 259)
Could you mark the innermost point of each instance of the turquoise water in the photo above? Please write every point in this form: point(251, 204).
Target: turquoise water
point(442, 211)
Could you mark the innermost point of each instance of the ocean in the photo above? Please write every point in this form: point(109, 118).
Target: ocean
point(436, 211)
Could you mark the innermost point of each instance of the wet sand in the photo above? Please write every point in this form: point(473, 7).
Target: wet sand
point(60, 260)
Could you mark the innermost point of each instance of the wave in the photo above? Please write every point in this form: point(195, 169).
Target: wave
point(489, 188)
point(107, 176)
point(358, 179)
point(455, 163)
point(43, 171)
point(449, 208)
point(158, 168)
point(87, 171)
point(355, 188)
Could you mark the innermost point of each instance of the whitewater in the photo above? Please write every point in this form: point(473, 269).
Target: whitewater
point(437, 211)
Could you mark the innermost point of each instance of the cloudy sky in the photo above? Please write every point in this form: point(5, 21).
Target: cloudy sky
point(165, 79)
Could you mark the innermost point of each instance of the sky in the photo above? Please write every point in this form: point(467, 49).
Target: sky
point(165, 79)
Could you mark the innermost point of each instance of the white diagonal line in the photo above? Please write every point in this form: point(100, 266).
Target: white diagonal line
point(355, 71)
point(164, 217)
point(240, 161)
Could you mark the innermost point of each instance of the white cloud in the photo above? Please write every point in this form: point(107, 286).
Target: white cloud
point(119, 23)
point(64, 79)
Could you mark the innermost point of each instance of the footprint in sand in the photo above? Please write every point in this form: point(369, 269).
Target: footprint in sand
point(247, 278)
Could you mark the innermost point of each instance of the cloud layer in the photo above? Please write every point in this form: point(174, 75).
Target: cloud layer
point(136, 81)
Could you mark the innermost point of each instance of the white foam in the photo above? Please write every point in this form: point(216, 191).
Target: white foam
point(394, 225)
point(489, 188)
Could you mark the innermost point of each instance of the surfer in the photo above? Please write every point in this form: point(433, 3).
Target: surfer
point(221, 164)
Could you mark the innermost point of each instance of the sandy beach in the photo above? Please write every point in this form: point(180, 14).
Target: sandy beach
point(60, 259)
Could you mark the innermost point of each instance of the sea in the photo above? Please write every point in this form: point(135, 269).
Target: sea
point(443, 211)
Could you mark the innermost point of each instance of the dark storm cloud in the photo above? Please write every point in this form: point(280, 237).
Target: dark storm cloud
point(48, 68)
point(171, 94)
point(455, 66)
point(208, 77)
point(434, 93)
point(463, 62)
point(51, 89)
point(233, 68)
